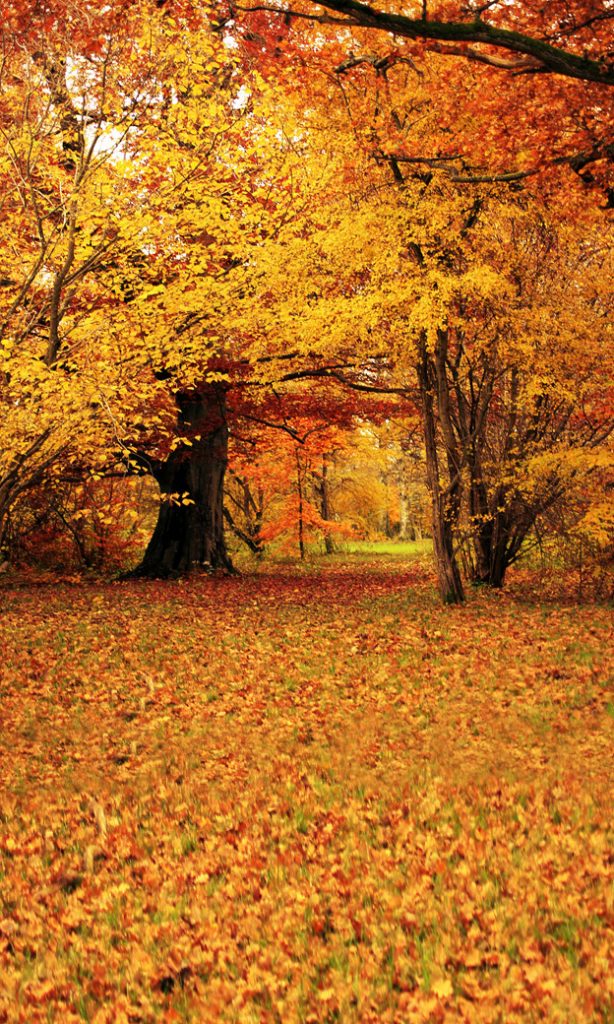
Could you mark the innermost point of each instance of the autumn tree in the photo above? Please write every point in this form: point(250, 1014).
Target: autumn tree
point(203, 348)
point(464, 305)
point(527, 111)
point(141, 179)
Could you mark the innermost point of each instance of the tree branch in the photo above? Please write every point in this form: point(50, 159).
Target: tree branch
point(578, 162)
point(253, 545)
point(547, 58)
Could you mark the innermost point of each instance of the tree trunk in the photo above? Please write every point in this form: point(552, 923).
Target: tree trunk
point(404, 517)
point(325, 510)
point(482, 524)
point(444, 508)
point(299, 488)
point(191, 536)
point(498, 538)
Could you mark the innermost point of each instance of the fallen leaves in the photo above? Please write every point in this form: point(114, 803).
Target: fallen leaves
point(216, 813)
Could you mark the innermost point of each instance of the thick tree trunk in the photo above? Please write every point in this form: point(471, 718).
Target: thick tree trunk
point(191, 536)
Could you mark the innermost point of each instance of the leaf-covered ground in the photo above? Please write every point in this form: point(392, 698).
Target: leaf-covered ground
point(313, 797)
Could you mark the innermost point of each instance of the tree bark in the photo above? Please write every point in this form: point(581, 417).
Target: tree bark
point(443, 509)
point(322, 490)
point(191, 536)
point(299, 489)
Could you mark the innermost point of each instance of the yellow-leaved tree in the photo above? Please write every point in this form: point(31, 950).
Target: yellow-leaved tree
point(144, 167)
point(474, 298)
point(182, 229)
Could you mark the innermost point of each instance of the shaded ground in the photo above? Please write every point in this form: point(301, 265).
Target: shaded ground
point(304, 797)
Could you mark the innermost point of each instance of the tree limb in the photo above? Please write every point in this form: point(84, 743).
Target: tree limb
point(546, 57)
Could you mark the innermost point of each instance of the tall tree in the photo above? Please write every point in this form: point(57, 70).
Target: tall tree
point(477, 304)
point(471, 286)
point(140, 181)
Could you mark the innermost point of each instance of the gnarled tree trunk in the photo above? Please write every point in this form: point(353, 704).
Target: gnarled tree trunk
point(191, 536)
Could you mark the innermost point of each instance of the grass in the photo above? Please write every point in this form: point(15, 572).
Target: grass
point(402, 549)
point(325, 798)
point(347, 552)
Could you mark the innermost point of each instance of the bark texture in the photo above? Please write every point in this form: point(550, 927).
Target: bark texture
point(191, 536)
point(445, 503)
point(322, 489)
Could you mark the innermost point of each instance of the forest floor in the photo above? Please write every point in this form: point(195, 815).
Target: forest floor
point(304, 796)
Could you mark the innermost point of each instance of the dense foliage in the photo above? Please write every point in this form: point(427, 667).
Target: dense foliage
point(277, 280)
point(191, 250)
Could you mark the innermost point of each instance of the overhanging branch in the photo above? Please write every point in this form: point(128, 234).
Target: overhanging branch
point(542, 56)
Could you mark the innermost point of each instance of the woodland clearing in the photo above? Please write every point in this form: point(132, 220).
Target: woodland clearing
point(307, 794)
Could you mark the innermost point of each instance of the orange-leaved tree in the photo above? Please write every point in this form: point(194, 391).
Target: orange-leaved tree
point(471, 297)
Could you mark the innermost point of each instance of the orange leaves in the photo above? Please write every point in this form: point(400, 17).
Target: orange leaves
point(300, 822)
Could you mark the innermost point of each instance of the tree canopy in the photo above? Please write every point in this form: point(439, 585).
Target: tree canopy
point(566, 39)
point(196, 242)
